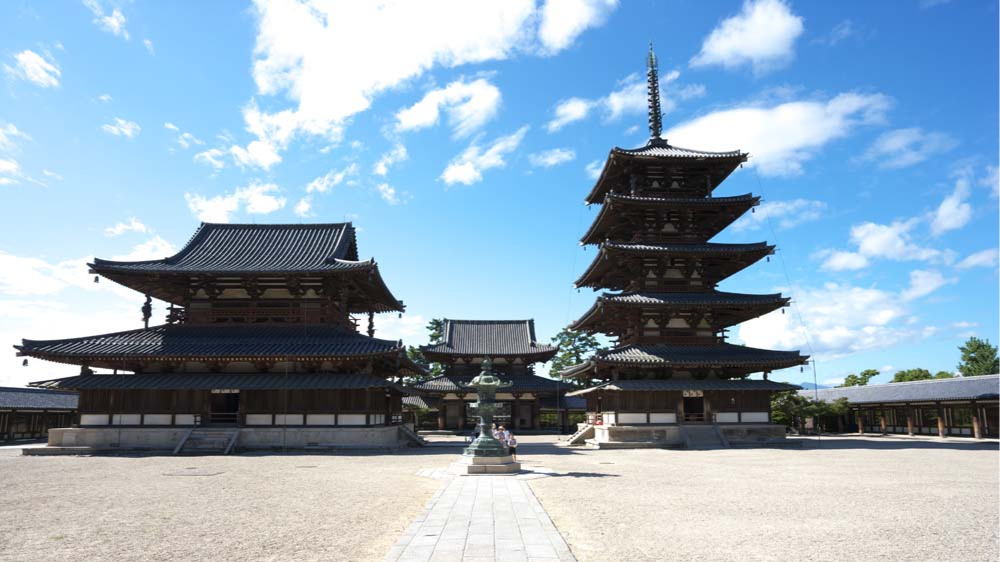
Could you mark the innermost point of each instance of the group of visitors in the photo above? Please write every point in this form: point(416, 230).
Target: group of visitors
point(504, 436)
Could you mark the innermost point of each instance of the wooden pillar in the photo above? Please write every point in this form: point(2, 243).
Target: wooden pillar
point(388, 408)
point(976, 431)
point(940, 420)
point(11, 418)
point(515, 414)
point(881, 420)
point(535, 413)
point(909, 420)
point(861, 421)
point(442, 408)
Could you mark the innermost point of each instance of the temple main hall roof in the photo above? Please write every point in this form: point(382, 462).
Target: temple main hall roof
point(185, 381)
point(257, 342)
point(519, 383)
point(255, 248)
point(489, 338)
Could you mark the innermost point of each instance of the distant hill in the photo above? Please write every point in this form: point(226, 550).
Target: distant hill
point(810, 386)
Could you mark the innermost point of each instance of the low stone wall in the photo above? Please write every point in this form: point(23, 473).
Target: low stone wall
point(663, 434)
point(753, 433)
point(165, 439)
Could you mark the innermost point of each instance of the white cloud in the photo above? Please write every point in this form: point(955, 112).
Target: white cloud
point(553, 157)
point(840, 320)
point(105, 98)
point(153, 249)
point(564, 20)
point(133, 225)
point(51, 174)
point(982, 258)
point(594, 169)
point(9, 135)
point(841, 31)
point(781, 138)
point(304, 207)
point(411, 328)
point(905, 147)
point(149, 46)
point(469, 106)
point(840, 260)
point(254, 199)
point(387, 193)
point(923, 283)
point(691, 91)
point(782, 214)
point(184, 140)
point(171, 126)
point(630, 98)
point(469, 166)
point(568, 111)
point(10, 171)
point(332, 178)
point(992, 180)
point(122, 128)
point(762, 35)
point(953, 212)
point(35, 69)
point(211, 157)
point(113, 23)
point(401, 40)
point(397, 154)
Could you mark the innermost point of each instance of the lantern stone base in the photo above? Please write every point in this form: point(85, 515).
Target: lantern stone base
point(485, 465)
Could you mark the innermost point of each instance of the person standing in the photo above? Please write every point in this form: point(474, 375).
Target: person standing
point(512, 445)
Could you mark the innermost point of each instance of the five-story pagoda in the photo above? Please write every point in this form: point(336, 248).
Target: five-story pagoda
point(671, 369)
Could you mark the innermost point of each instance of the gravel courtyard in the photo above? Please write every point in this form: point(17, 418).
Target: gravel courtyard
point(848, 499)
point(851, 499)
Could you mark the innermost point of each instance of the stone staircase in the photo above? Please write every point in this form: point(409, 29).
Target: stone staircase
point(208, 441)
point(703, 437)
point(411, 436)
point(581, 436)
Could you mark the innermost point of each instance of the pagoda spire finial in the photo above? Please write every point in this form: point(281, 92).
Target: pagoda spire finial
point(653, 88)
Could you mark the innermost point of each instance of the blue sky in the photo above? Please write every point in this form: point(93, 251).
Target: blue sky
point(461, 138)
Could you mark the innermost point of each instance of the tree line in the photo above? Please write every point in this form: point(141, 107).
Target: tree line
point(978, 358)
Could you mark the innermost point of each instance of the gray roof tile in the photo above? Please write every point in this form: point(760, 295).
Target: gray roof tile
point(490, 338)
point(960, 388)
point(256, 248)
point(521, 383)
point(36, 399)
point(676, 355)
point(215, 342)
point(187, 381)
point(690, 384)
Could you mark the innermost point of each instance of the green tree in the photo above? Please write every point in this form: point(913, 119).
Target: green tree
point(789, 408)
point(908, 375)
point(435, 329)
point(860, 379)
point(944, 375)
point(978, 358)
point(574, 348)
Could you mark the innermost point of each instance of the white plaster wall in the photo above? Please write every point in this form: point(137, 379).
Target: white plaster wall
point(352, 419)
point(93, 419)
point(377, 419)
point(321, 419)
point(184, 419)
point(288, 419)
point(626, 418)
point(156, 419)
point(754, 417)
point(126, 419)
point(662, 418)
point(258, 419)
point(728, 417)
point(610, 418)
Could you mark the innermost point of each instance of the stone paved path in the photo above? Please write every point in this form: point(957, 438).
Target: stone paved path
point(482, 519)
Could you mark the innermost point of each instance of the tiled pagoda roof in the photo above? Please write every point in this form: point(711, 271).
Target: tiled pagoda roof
point(679, 356)
point(489, 338)
point(688, 384)
point(727, 210)
point(754, 305)
point(744, 254)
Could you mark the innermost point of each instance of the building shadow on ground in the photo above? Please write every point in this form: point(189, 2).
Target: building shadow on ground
point(894, 443)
